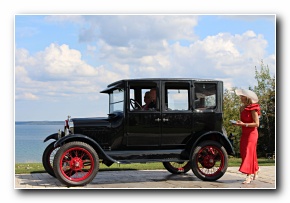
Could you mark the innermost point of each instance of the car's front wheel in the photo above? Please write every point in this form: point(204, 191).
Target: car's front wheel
point(76, 164)
point(209, 160)
point(177, 167)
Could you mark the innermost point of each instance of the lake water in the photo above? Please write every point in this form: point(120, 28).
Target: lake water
point(29, 137)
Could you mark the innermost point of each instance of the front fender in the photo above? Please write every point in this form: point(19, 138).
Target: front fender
point(218, 136)
point(53, 136)
point(83, 138)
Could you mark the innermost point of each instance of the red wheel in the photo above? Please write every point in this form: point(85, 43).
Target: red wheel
point(76, 164)
point(177, 167)
point(209, 161)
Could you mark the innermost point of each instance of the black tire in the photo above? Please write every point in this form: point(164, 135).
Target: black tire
point(76, 164)
point(209, 161)
point(47, 158)
point(177, 167)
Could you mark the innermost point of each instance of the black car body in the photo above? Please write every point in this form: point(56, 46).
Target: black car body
point(185, 128)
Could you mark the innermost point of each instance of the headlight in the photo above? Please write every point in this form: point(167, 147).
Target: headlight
point(68, 126)
point(71, 126)
point(59, 134)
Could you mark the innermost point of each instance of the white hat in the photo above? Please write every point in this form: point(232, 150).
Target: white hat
point(247, 93)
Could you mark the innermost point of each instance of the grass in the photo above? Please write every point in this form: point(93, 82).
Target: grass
point(23, 168)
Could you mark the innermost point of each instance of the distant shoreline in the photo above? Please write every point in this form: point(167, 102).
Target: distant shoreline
point(39, 122)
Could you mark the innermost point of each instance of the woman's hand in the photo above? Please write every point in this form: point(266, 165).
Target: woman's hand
point(239, 123)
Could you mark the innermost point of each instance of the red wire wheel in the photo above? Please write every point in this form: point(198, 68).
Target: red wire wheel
point(209, 161)
point(177, 167)
point(76, 164)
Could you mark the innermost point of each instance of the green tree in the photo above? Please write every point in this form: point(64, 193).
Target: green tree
point(231, 112)
point(266, 92)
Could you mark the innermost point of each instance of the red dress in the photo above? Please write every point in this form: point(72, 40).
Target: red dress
point(248, 141)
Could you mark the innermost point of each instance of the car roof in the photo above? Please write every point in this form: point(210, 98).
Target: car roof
point(160, 79)
point(116, 83)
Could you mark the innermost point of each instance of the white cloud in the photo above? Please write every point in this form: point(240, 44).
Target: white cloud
point(220, 45)
point(59, 71)
point(23, 58)
point(122, 30)
point(27, 96)
point(251, 44)
point(21, 75)
point(63, 61)
point(225, 56)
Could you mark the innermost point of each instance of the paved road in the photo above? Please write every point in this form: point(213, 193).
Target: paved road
point(151, 179)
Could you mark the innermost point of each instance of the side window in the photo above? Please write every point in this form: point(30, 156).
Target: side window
point(145, 99)
point(140, 96)
point(205, 96)
point(177, 96)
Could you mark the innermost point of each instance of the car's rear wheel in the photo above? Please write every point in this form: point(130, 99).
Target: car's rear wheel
point(76, 164)
point(47, 158)
point(209, 160)
point(177, 167)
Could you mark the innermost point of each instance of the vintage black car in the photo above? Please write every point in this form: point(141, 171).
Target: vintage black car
point(184, 131)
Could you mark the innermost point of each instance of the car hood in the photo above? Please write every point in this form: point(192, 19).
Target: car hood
point(96, 121)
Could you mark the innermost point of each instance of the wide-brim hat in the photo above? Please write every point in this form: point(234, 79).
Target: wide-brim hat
point(247, 93)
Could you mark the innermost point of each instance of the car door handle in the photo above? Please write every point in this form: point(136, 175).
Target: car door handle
point(165, 119)
point(158, 119)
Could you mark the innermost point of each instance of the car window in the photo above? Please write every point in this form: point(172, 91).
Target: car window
point(134, 96)
point(177, 96)
point(137, 93)
point(177, 99)
point(116, 100)
point(205, 96)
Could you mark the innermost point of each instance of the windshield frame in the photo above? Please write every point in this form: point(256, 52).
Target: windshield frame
point(116, 100)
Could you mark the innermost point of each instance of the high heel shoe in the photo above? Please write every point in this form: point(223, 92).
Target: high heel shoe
point(248, 179)
point(256, 175)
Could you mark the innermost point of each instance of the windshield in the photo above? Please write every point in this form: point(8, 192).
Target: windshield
point(116, 102)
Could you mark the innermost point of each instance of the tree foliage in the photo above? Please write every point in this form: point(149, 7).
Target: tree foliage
point(265, 91)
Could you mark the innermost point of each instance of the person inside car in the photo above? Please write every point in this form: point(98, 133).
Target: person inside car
point(147, 100)
point(152, 104)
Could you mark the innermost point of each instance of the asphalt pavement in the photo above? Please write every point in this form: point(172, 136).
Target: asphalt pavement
point(152, 179)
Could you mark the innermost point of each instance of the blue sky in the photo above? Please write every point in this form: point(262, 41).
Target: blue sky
point(62, 62)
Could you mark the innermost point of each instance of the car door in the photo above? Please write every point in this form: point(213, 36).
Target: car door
point(176, 113)
point(207, 113)
point(143, 128)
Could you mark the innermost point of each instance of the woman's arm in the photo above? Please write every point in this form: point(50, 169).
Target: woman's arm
point(255, 123)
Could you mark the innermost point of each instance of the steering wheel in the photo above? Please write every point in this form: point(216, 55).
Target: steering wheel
point(135, 105)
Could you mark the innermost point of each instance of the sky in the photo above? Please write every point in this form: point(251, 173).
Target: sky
point(63, 61)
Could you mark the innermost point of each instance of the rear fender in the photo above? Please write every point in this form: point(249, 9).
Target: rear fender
point(216, 136)
point(82, 138)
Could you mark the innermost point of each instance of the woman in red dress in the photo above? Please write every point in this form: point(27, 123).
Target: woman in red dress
point(249, 115)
